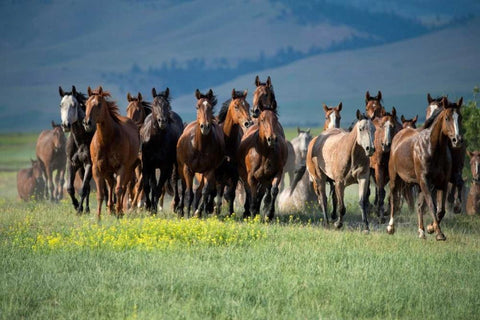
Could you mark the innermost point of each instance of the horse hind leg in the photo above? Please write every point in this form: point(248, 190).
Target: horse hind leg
point(71, 188)
point(421, 205)
point(431, 199)
point(363, 186)
point(340, 189)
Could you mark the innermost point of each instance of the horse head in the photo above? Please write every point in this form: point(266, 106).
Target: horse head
point(95, 109)
point(304, 137)
point(263, 97)
point(365, 133)
point(332, 116)
point(239, 109)
point(205, 104)
point(137, 109)
point(37, 170)
point(452, 121)
point(387, 123)
point(434, 104)
point(373, 105)
point(59, 139)
point(71, 107)
point(475, 165)
point(267, 123)
point(161, 108)
point(409, 123)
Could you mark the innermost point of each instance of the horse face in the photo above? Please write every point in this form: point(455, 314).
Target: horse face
point(37, 170)
point(433, 105)
point(409, 123)
point(262, 97)
point(267, 123)
point(68, 111)
point(365, 136)
point(94, 106)
point(204, 116)
point(373, 105)
point(332, 116)
point(135, 111)
point(304, 139)
point(475, 164)
point(240, 110)
point(388, 125)
point(161, 111)
point(451, 126)
point(58, 138)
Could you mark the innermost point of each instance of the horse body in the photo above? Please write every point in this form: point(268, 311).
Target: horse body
point(423, 157)
point(30, 182)
point(162, 127)
point(72, 110)
point(50, 151)
point(342, 157)
point(200, 150)
point(473, 198)
point(114, 148)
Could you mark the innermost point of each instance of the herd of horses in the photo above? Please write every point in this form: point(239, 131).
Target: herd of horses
point(242, 151)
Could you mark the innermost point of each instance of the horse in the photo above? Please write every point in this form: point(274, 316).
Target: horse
point(114, 148)
point(422, 157)
point(454, 197)
point(409, 123)
point(234, 119)
point(473, 199)
point(50, 151)
point(263, 97)
point(342, 157)
point(30, 182)
point(72, 111)
point(201, 150)
point(303, 192)
point(261, 156)
point(385, 129)
point(373, 105)
point(332, 116)
point(159, 136)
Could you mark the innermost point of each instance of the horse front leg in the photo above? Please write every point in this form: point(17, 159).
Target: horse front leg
point(165, 174)
point(363, 186)
point(85, 191)
point(339, 191)
point(420, 211)
point(72, 170)
point(319, 188)
point(100, 183)
point(431, 197)
point(60, 178)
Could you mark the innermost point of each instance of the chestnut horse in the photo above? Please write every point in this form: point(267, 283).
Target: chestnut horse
point(50, 150)
point(79, 162)
point(234, 119)
point(422, 157)
point(343, 157)
point(159, 136)
point(200, 150)
point(30, 183)
point(137, 109)
point(114, 148)
point(373, 105)
point(261, 156)
point(332, 116)
point(473, 199)
point(409, 123)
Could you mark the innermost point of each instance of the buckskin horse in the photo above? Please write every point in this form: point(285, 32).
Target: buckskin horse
point(114, 148)
point(200, 151)
point(422, 157)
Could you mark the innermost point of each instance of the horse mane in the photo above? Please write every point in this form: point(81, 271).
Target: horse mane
point(222, 114)
point(111, 105)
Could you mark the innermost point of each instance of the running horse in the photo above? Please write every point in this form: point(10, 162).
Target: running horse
point(423, 157)
point(159, 136)
point(72, 111)
point(200, 150)
point(114, 148)
point(473, 199)
point(261, 156)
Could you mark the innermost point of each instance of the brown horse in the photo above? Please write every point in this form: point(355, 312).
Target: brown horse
point(114, 148)
point(261, 156)
point(373, 105)
point(50, 150)
point(409, 123)
point(332, 116)
point(342, 157)
point(473, 199)
point(137, 109)
point(422, 157)
point(200, 150)
point(263, 97)
point(234, 119)
point(30, 183)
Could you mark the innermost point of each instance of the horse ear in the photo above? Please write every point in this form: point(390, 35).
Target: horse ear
point(394, 112)
point(367, 96)
point(470, 154)
point(298, 130)
point(89, 91)
point(129, 97)
point(233, 93)
point(154, 92)
point(339, 107)
point(245, 93)
point(100, 90)
point(359, 115)
point(402, 118)
point(308, 131)
point(257, 81)
point(60, 91)
point(429, 98)
point(210, 94)
point(445, 102)
point(415, 119)
point(74, 90)
point(379, 95)
point(269, 81)
point(198, 95)
point(167, 92)
point(325, 108)
point(139, 97)
point(53, 124)
point(460, 102)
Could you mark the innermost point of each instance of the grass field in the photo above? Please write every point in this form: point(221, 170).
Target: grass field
point(55, 264)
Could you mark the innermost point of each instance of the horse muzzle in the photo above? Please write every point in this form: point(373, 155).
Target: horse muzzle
point(205, 128)
point(256, 112)
point(162, 124)
point(248, 123)
point(66, 127)
point(457, 141)
point(386, 147)
point(88, 125)
point(271, 141)
point(369, 151)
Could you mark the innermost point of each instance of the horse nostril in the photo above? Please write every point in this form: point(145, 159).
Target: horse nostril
point(246, 124)
point(202, 126)
point(367, 148)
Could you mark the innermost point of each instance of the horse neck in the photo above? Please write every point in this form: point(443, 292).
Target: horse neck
point(200, 141)
point(438, 141)
point(231, 131)
point(105, 128)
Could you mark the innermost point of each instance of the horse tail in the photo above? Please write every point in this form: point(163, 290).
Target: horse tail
point(298, 176)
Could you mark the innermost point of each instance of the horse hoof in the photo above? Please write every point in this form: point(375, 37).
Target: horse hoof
point(197, 214)
point(338, 224)
point(421, 234)
point(390, 229)
point(440, 237)
point(430, 229)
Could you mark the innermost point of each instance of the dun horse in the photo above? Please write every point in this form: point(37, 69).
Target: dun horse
point(262, 155)
point(159, 136)
point(423, 157)
point(342, 157)
point(50, 150)
point(200, 150)
point(30, 183)
point(72, 111)
point(114, 148)
point(473, 199)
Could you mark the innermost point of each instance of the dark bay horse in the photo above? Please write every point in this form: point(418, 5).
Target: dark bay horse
point(200, 150)
point(159, 136)
point(114, 148)
point(373, 105)
point(332, 116)
point(263, 97)
point(30, 182)
point(234, 119)
point(261, 156)
point(422, 157)
point(473, 199)
point(409, 123)
point(343, 157)
point(72, 111)
point(50, 150)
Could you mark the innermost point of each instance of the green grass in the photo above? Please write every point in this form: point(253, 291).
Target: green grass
point(290, 269)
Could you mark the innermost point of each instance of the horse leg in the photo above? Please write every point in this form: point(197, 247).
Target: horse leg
point(72, 170)
point(176, 198)
point(230, 195)
point(420, 212)
point(395, 185)
point(197, 196)
point(165, 174)
point(339, 190)
point(319, 188)
point(258, 202)
point(431, 197)
point(363, 186)
point(218, 204)
point(110, 182)
point(100, 183)
point(334, 200)
point(147, 183)
point(50, 187)
point(62, 182)
point(458, 186)
point(85, 191)
point(441, 197)
point(274, 194)
point(248, 200)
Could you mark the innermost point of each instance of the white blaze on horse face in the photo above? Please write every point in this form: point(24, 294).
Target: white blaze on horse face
point(68, 110)
point(365, 136)
point(205, 104)
point(388, 132)
point(455, 123)
point(332, 120)
point(431, 109)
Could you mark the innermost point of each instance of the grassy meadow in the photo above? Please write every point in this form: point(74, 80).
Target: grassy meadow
point(55, 264)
